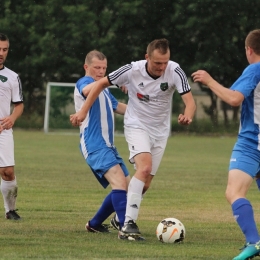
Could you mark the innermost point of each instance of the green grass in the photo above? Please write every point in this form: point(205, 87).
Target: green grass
point(58, 194)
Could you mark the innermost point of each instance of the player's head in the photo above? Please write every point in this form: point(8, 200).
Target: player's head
point(252, 45)
point(4, 47)
point(95, 64)
point(157, 56)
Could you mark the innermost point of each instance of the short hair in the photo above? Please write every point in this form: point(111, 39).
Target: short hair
point(162, 45)
point(253, 40)
point(3, 37)
point(94, 54)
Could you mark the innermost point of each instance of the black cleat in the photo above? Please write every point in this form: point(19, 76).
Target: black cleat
point(12, 215)
point(115, 224)
point(131, 229)
point(98, 229)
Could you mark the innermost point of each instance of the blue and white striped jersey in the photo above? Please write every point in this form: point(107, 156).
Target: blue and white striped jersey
point(249, 85)
point(97, 130)
point(149, 105)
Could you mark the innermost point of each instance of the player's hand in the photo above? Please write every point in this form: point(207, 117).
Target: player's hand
point(201, 76)
point(184, 120)
point(7, 123)
point(76, 119)
point(124, 89)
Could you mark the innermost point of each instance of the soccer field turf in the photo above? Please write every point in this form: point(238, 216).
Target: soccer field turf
point(58, 194)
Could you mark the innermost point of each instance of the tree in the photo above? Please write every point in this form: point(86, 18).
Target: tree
point(49, 39)
point(213, 34)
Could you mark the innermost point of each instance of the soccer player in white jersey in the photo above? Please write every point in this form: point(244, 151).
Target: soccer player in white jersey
point(97, 142)
point(10, 92)
point(245, 158)
point(151, 84)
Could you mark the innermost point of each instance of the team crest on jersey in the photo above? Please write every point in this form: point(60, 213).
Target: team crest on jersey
point(143, 97)
point(3, 78)
point(164, 86)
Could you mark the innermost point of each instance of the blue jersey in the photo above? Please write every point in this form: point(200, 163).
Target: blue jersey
point(97, 130)
point(249, 85)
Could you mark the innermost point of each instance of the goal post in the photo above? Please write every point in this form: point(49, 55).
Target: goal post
point(59, 104)
point(48, 101)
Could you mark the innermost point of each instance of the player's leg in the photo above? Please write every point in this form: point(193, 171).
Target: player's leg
point(8, 180)
point(139, 146)
point(157, 148)
point(109, 168)
point(242, 170)
point(115, 222)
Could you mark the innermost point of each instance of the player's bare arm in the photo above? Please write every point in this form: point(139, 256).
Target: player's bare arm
point(97, 87)
point(233, 98)
point(190, 108)
point(8, 122)
point(121, 108)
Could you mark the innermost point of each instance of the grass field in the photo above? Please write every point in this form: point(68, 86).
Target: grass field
point(58, 194)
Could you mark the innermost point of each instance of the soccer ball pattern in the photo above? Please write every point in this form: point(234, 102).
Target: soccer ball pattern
point(170, 230)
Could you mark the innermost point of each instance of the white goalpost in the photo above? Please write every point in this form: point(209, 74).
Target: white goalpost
point(48, 98)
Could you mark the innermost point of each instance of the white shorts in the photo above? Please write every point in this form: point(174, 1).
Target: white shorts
point(140, 142)
point(6, 149)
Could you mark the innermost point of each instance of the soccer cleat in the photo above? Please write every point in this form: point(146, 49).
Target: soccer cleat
point(12, 215)
point(123, 236)
point(131, 229)
point(115, 224)
point(98, 229)
point(249, 251)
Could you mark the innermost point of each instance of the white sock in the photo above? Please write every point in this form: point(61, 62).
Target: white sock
point(9, 192)
point(134, 197)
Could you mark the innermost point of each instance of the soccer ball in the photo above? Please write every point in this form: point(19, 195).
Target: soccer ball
point(170, 230)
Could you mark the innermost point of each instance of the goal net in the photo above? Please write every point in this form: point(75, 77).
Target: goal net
point(59, 105)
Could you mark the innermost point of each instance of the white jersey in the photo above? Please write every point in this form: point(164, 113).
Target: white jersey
point(149, 105)
point(10, 92)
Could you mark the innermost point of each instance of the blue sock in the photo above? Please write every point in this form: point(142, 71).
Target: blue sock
point(104, 211)
point(244, 215)
point(119, 202)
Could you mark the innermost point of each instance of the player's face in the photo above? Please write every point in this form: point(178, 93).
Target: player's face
point(157, 63)
point(97, 69)
point(4, 47)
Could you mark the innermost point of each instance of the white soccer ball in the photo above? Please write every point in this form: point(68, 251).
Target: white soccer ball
point(170, 230)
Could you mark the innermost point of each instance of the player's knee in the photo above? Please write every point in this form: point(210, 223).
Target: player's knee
point(118, 184)
point(230, 196)
point(145, 171)
point(7, 174)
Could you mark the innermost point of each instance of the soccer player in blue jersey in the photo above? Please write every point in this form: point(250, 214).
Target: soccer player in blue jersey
point(97, 142)
point(245, 158)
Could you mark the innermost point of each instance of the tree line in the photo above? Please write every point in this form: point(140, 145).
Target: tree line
point(49, 39)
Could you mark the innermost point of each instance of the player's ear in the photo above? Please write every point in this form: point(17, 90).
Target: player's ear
point(146, 56)
point(85, 66)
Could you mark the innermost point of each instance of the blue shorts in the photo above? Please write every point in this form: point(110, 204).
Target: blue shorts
point(102, 160)
point(246, 159)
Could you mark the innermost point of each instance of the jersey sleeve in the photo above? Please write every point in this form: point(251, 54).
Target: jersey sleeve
point(17, 95)
point(247, 82)
point(120, 77)
point(82, 83)
point(181, 81)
